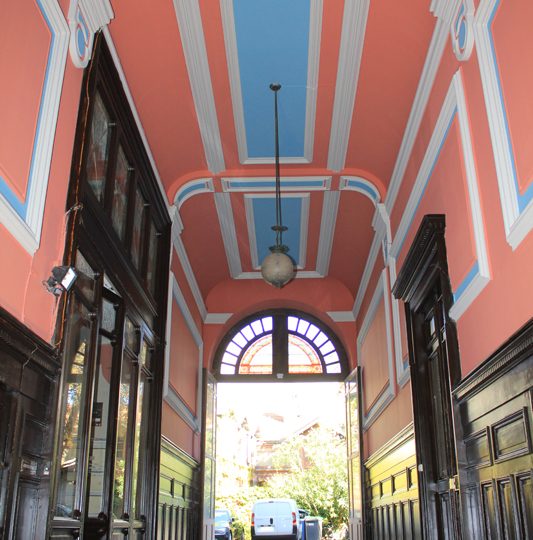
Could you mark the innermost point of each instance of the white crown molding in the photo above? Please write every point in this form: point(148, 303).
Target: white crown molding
point(136, 117)
point(181, 253)
point(268, 184)
point(351, 50)
point(518, 223)
point(341, 316)
point(403, 373)
point(454, 105)
point(194, 187)
point(85, 18)
point(229, 236)
point(315, 32)
point(232, 58)
point(387, 395)
point(429, 71)
point(361, 185)
point(217, 318)
point(330, 209)
point(367, 272)
point(192, 39)
point(300, 274)
point(169, 394)
point(26, 225)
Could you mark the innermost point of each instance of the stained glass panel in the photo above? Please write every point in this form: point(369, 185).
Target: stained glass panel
point(258, 358)
point(302, 357)
point(119, 208)
point(98, 152)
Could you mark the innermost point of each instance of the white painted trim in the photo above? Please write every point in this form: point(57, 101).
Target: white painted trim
point(403, 373)
point(344, 185)
point(231, 184)
point(454, 104)
point(27, 229)
point(517, 224)
point(183, 258)
point(193, 42)
point(135, 114)
point(217, 318)
point(351, 50)
point(429, 71)
point(304, 230)
point(315, 32)
point(330, 208)
point(388, 393)
point(367, 272)
point(300, 274)
point(205, 185)
point(341, 316)
point(169, 394)
point(232, 59)
point(229, 235)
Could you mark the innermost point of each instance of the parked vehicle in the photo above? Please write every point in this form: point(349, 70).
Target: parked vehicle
point(276, 519)
point(223, 525)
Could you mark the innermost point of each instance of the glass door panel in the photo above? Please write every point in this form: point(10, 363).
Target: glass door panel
point(97, 477)
point(119, 207)
point(121, 454)
point(75, 388)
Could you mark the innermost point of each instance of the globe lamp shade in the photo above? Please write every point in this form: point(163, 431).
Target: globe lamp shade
point(277, 269)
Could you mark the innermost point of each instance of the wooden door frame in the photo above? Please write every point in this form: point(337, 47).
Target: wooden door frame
point(425, 267)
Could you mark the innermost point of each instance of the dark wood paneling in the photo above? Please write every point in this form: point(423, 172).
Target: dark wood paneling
point(494, 405)
point(392, 490)
point(29, 372)
point(179, 495)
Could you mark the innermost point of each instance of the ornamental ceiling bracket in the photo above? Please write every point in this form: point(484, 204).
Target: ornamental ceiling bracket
point(462, 30)
point(85, 18)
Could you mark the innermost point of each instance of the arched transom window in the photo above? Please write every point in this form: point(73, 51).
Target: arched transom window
point(280, 344)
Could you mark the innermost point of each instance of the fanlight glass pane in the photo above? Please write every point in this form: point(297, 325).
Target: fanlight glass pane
point(302, 327)
point(320, 339)
point(333, 368)
point(302, 357)
point(227, 370)
point(312, 332)
point(267, 324)
point(327, 347)
point(331, 358)
point(248, 333)
point(233, 349)
point(257, 360)
point(229, 359)
point(240, 340)
point(292, 323)
point(257, 328)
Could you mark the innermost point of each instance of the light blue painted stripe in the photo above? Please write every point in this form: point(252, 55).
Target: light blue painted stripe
point(374, 195)
point(21, 207)
point(474, 271)
point(189, 190)
point(272, 47)
point(452, 117)
point(272, 184)
point(523, 199)
point(264, 212)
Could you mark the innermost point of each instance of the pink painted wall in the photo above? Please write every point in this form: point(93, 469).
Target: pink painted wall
point(506, 302)
point(27, 38)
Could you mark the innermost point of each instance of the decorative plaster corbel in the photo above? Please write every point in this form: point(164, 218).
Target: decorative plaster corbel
point(85, 18)
point(462, 30)
point(381, 224)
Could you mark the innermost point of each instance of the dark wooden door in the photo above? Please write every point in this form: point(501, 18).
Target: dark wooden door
point(423, 284)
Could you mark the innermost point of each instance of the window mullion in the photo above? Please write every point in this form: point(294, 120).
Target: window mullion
point(280, 346)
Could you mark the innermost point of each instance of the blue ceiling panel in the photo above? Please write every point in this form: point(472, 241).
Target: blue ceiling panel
point(273, 42)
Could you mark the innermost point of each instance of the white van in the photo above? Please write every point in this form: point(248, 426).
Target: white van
point(275, 519)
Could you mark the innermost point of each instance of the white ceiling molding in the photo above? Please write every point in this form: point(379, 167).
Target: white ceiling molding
point(462, 30)
point(181, 253)
point(403, 372)
point(217, 318)
point(85, 18)
point(229, 236)
point(26, 224)
point(341, 316)
point(192, 39)
point(388, 392)
point(351, 49)
point(478, 277)
point(300, 274)
point(517, 222)
point(194, 187)
point(361, 185)
point(330, 208)
point(440, 36)
point(169, 394)
point(232, 58)
point(133, 109)
point(268, 184)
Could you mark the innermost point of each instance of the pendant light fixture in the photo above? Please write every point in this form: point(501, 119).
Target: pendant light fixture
point(277, 268)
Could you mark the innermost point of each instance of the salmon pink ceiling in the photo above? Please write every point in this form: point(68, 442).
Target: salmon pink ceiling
point(198, 75)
